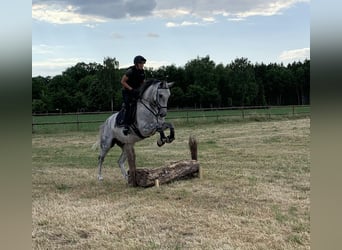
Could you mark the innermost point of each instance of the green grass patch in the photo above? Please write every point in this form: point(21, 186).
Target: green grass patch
point(90, 122)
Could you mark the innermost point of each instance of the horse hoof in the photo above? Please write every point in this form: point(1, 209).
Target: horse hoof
point(100, 178)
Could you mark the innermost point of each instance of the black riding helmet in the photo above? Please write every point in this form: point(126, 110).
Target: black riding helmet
point(139, 59)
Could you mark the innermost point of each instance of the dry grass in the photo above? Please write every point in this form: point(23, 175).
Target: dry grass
point(254, 194)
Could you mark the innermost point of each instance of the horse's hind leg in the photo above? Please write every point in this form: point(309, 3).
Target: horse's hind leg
point(105, 146)
point(121, 162)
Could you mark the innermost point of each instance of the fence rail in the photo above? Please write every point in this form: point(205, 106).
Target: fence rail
point(75, 120)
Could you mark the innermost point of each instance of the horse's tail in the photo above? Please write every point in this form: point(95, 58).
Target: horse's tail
point(97, 143)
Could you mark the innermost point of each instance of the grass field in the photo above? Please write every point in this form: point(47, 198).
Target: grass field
point(255, 193)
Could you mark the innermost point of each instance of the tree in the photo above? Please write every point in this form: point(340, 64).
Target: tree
point(200, 83)
point(38, 106)
point(109, 78)
point(223, 85)
point(243, 82)
point(39, 94)
point(260, 74)
point(98, 96)
point(301, 81)
point(176, 98)
point(306, 82)
point(274, 84)
point(60, 90)
point(39, 87)
point(201, 72)
point(195, 95)
point(77, 72)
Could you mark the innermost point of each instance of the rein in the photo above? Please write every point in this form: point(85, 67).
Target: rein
point(159, 127)
point(157, 104)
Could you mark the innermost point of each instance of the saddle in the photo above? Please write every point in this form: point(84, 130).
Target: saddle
point(120, 118)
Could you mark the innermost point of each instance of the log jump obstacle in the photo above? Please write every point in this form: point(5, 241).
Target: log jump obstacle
point(178, 170)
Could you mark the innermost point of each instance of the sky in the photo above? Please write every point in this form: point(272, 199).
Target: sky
point(167, 32)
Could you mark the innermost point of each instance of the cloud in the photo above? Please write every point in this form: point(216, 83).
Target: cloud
point(58, 62)
point(152, 35)
point(171, 13)
point(236, 19)
point(232, 8)
point(295, 55)
point(91, 26)
point(82, 11)
point(149, 64)
point(61, 14)
point(140, 8)
point(184, 23)
point(117, 36)
point(171, 24)
point(56, 66)
point(208, 19)
point(269, 8)
point(156, 64)
point(43, 49)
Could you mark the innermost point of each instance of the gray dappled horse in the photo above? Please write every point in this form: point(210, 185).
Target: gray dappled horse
point(150, 115)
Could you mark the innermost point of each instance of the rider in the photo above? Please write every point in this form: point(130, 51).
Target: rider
point(131, 81)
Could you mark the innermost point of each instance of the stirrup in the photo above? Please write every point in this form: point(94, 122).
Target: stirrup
point(126, 130)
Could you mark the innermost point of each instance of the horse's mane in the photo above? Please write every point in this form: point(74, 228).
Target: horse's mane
point(147, 84)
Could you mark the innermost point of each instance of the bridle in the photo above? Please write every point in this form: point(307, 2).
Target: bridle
point(160, 127)
point(156, 103)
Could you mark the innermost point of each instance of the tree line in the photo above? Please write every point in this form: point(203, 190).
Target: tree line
point(199, 84)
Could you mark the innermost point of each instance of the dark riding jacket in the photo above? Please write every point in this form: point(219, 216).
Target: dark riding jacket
point(135, 77)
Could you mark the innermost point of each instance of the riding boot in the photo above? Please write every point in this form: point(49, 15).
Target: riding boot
point(127, 119)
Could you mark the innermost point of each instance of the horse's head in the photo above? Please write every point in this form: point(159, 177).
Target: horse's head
point(158, 94)
point(162, 97)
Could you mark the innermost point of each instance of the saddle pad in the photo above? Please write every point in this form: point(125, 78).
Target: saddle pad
point(120, 118)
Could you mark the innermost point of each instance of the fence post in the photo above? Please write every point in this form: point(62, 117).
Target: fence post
point(78, 124)
point(269, 112)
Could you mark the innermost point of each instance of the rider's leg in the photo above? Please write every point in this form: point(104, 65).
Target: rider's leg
point(126, 100)
point(127, 118)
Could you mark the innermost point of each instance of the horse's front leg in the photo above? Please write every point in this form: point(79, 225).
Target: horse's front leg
point(130, 154)
point(171, 137)
point(166, 139)
point(162, 139)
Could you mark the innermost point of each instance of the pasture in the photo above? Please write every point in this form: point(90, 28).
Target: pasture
point(255, 193)
point(52, 123)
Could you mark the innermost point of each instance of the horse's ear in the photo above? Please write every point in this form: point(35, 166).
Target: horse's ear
point(169, 84)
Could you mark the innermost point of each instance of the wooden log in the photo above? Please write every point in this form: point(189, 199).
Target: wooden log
point(129, 149)
point(183, 169)
point(146, 177)
point(193, 147)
